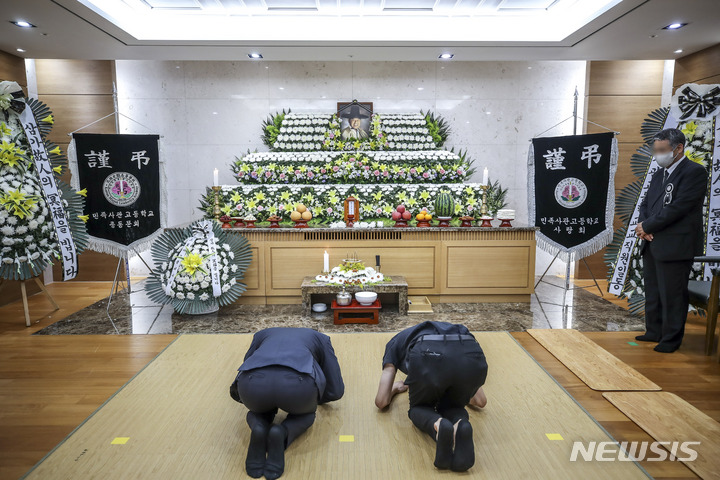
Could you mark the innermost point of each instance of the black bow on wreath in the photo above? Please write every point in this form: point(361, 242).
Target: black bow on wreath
point(691, 102)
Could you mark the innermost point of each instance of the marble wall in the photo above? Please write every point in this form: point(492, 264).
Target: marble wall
point(209, 112)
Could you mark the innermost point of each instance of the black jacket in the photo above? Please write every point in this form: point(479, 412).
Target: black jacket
point(301, 349)
point(397, 348)
point(673, 213)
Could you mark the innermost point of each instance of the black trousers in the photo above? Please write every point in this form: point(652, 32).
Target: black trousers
point(443, 375)
point(267, 389)
point(666, 298)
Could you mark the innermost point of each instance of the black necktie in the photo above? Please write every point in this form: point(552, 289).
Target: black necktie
point(665, 176)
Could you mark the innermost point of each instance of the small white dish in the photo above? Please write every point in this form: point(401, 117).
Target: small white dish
point(319, 307)
point(366, 298)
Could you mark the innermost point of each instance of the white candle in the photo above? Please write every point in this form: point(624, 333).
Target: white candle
point(326, 262)
point(485, 176)
point(215, 177)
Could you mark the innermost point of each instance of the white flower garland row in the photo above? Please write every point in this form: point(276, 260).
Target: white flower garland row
point(324, 156)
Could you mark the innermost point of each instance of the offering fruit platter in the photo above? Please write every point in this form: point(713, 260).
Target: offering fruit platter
point(351, 272)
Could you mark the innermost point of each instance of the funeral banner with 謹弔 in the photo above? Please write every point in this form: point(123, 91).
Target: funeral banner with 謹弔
point(122, 176)
point(571, 196)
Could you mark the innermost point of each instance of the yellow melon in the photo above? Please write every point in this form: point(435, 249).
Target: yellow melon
point(295, 215)
point(300, 207)
point(306, 215)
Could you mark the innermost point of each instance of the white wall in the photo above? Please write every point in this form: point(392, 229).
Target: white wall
point(209, 112)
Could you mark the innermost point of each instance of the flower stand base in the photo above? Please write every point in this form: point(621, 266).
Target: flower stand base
point(486, 222)
point(444, 221)
point(210, 308)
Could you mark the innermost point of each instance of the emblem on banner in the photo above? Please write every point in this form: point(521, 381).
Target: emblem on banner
point(121, 189)
point(570, 192)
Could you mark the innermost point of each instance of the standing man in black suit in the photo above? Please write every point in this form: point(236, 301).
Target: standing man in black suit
point(670, 226)
point(292, 369)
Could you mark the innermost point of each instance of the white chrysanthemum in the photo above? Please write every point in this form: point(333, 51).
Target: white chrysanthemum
point(190, 296)
point(204, 296)
point(7, 230)
point(180, 295)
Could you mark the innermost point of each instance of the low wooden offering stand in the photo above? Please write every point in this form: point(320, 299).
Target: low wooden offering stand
point(355, 309)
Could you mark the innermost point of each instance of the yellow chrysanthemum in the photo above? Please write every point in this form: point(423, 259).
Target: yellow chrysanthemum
point(191, 263)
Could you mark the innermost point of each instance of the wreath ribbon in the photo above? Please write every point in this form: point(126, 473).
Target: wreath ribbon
point(700, 105)
point(50, 191)
point(200, 231)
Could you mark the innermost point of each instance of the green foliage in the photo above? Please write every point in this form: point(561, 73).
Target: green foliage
point(271, 128)
point(437, 126)
point(496, 197)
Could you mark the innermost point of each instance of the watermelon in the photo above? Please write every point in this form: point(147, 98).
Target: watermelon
point(444, 204)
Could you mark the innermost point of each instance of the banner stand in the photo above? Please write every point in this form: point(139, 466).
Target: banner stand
point(122, 256)
point(570, 256)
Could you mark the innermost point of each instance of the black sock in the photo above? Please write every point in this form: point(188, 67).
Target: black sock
point(664, 348)
point(275, 463)
point(464, 455)
point(255, 460)
point(646, 338)
point(443, 449)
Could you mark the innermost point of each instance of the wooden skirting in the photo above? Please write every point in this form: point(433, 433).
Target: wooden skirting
point(454, 265)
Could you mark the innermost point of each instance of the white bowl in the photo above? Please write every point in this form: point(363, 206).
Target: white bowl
point(319, 307)
point(366, 298)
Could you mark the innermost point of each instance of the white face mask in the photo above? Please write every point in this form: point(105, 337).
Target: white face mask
point(664, 159)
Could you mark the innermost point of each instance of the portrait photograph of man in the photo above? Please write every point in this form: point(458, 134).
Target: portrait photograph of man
point(355, 121)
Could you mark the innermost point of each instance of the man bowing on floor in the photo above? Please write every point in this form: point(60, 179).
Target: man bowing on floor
point(670, 226)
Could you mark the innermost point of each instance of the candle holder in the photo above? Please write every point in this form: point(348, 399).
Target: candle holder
point(483, 208)
point(216, 207)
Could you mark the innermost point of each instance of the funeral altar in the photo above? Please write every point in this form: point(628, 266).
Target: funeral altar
point(379, 185)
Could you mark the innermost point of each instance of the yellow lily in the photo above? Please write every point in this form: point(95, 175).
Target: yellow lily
point(82, 192)
point(49, 119)
point(84, 218)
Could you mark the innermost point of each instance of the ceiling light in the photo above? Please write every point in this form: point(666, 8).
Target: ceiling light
point(679, 50)
point(255, 55)
point(21, 50)
point(446, 56)
point(674, 26)
point(22, 24)
point(421, 88)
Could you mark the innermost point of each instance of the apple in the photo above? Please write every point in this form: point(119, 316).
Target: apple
point(400, 208)
point(406, 215)
point(396, 216)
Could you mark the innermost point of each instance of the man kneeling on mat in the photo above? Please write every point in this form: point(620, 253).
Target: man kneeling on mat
point(446, 370)
point(292, 369)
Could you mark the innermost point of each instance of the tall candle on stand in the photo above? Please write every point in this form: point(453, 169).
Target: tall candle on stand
point(215, 177)
point(485, 176)
point(326, 262)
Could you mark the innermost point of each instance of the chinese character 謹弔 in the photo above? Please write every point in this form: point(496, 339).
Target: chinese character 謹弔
point(554, 159)
point(140, 158)
point(591, 154)
point(99, 159)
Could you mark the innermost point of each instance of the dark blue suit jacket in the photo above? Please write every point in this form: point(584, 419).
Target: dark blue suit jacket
point(301, 349)
point(397, 348)
point(675, 218)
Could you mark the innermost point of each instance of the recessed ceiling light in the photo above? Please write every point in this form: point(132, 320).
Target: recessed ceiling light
point(22, 24)
point(679, 50)
point(21, 50)
point(255, 55)
point(445, 56)
point(421, 88)
point(674, 26)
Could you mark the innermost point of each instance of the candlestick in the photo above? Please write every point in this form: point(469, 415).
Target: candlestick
point(485, 176)
point(216, 207)
point(326, 263)
point(215, 177)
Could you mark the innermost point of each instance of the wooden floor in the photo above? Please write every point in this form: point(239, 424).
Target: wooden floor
point(50, 384)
